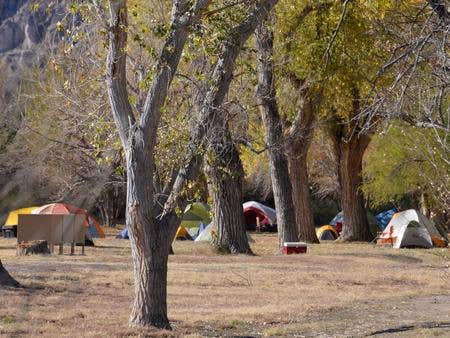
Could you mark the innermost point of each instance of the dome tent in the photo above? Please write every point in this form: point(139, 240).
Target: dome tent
point(327, 233)
point(383, 218)
point(412, 229)
point(13, 216)
point(94, 228)
point(266, 215)
point(339, 219)
point(194, 214)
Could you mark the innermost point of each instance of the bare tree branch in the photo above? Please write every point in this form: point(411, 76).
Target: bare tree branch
point(335, 32)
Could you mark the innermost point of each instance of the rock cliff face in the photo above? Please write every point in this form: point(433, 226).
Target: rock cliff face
point(27, 31)
point(9, 7)
point(24, 23)
point(27, 35)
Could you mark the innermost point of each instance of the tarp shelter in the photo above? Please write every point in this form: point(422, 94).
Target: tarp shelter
point(194, 214)
point(412, 229)
point(90, 222)
point(327, 233)
point(340, 219)
point(267, 216)
point(13, 216)
point(383, 218)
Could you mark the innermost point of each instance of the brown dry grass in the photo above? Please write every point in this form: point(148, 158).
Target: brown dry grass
point(333, 290)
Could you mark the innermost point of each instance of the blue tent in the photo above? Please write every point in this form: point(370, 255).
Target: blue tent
point(123, 234)
point(383, 218)
point(339, 218)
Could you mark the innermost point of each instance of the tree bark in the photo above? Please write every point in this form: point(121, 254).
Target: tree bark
point(6, 279)
point(298, 141)
point(351, 140)
point(279, 171)
point(150, 239)
point(298, 169)
point(150, 233)
point(356, 225)
point(226, 173)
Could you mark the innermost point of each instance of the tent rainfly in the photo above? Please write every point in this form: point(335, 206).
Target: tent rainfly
point(412, 229)
point(266, 215)
point(327, 233)
point(94, 228)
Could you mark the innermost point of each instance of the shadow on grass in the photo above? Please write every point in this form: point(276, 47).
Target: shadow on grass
point(392, 257)
point(403, 328)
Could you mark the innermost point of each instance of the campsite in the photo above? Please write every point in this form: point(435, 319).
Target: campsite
point(335, 290)
point(226, 168)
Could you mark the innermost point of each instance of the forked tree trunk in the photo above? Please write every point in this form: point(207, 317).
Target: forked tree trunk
point(279, 171)
point(298, 141)
point(151, 234)
point(226, 172)
point(356, 225)
point(150, 240)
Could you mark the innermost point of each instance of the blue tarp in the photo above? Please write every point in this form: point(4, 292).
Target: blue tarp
point(383, 218)
point(338, 218)
point(93, 231)
point(123, 234)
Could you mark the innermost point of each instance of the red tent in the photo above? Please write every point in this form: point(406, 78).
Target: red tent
point(267, 216)
point(66, 209)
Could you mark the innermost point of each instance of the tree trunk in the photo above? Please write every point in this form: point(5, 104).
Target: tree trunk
point(151, 226)
point(298, 169)
point(298, 141)
point(226, 172)
point(356, 225)
point(423, 206)
point(150, 239)
point(279, 171)
point(6, 279)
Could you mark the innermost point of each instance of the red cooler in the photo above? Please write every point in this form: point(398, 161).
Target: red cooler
point(294, 248)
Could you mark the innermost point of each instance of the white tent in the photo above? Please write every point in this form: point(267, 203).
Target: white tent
point(411, 229)
point(207, 234)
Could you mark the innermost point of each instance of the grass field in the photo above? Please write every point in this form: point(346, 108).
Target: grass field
point(333, 290)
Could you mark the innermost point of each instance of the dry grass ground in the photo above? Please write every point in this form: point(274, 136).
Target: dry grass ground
point(333, 290)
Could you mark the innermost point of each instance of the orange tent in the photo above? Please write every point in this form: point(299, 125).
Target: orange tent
point(91, 223)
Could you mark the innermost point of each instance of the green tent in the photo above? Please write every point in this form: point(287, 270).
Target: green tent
point(194, 214)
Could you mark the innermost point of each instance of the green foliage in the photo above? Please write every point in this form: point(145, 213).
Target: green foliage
point(306, 48)
point(406, 160)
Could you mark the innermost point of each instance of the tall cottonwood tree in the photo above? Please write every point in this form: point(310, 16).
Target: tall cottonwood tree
point(293, 143)
point(212, 134)
point(150, 216)
point(298, 141)
point(278, 163)
point(350, 141)
point(151, 232)
point(335, 47)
